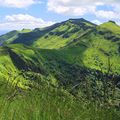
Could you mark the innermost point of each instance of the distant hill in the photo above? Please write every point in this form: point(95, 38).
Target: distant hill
point(11, 36)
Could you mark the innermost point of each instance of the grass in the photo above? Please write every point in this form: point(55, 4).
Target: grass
point(87, 46)
point(111, 26)
point(60, 37)
point(12, 35)
point(37, 81)
point(25, 30)
point(78, 44)
point(48, 103)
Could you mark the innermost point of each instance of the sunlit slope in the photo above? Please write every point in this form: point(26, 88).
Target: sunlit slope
point(49, 65)
point(11, 36)
point(9, 72)
point(65, 33)
point(77, 41)
point(99, 44)
point(22, 65)
point(57, 67)
point(112, 26)
point(105, 44)
point(18, 63)
point(50, 81)
point(8, 37)
point(55, 36)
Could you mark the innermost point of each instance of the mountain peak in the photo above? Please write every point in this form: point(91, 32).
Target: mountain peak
point(77, 19)
point(112, 26)
point(110, 21)
point(81, 20)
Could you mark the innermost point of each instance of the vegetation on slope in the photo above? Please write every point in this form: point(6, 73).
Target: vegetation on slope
point(78, 39)
point(11, 36)
point(65, 66)
point(112, 26)
point(48, 103)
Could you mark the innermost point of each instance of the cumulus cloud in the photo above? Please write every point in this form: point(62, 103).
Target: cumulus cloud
point(82, 7)
point(18, 3)
point(107, 14)
point(20, 21)
point(69, 7)
point(97, 22)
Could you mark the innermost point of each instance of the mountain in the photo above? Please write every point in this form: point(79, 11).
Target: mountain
point(12, 35)
point(74, 58)
point(76, 41)
point(100, 42)
point(112, 26)
point(63, 33)
point(48, 73)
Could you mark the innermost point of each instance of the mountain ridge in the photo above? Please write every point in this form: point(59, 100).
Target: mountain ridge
point(32, 36)
point(47, 29)
point(73, 58)
point(75, 38)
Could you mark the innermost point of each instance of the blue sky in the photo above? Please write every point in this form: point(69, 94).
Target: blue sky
point(19, 14)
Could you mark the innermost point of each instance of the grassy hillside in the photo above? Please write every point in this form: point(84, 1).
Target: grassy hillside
point(63, 34)
point(55, 36)
point(112, 26)
point(11, 36)
point(75, 42)
point(61, 71)
point(48, 103)
point(99, 44)
point(77, 39)
point(55, 66)
point(40, 84)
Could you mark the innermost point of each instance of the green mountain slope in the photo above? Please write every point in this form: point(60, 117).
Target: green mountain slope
point(112, 26)
point(58, 72)
point(64, 54)
point(64, 34)
point(55, 36)
point(78, 41)
point(11, 36)
point(100, 43)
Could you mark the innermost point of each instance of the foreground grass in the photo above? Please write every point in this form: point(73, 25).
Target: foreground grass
point(47, 103)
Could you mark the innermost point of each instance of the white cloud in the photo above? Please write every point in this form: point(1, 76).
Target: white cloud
point(69, 7)
point(18, 3)
point(97, 22)
point(81, 2)
point(118, 23)
point(108, 14)
point(20, 21)
point(82, 7)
